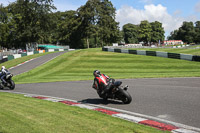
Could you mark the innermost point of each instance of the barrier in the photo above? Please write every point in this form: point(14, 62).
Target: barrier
point(186, 57)
point(105, 49)
point(174, 55)
point(111, 50)
point(117, 50)
point(36, 52)
point(15, 56)
point(161, 54)
point(141, 52)
point(4, 59)
point(51, 50)
point(196, 58)
point(24, 54)
point(155, 53)
point(151, 53)
point(132, 51)
point(10, 57)
point(30, 53)
point(124, 51)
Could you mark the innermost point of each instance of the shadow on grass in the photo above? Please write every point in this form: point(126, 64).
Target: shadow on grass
point(100, 101)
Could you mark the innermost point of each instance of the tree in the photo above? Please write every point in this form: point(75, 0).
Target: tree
point(145, 31)
point(65, 29)
point(98, 22)
point(26, 21)
point(130, 33)
point(186, 32)
point(8, 26)
point(109, 29)
point(89, 15)
point(3, 26)
point(34, 23)
point(197, 32)
point(157, 32)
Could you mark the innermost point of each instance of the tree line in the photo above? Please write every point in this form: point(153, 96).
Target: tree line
point(189, 32)
point(91, 25)
point(144, 32)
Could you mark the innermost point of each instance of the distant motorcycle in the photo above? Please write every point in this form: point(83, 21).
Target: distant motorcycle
point(117, 92)
point(10, 83)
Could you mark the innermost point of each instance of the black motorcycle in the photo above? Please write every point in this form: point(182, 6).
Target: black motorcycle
point(9, 82)
point(117, 92)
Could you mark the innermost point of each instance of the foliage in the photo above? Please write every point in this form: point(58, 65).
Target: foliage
point(32, 23)
point(27, 21)
point(197, 32)
point(98, 22)
point(188, 33)
point(91, 25)
point(157, 32)
point(144, 32)
point(8, 23)
point(130, 33)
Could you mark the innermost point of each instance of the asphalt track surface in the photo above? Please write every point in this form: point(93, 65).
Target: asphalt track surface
point(170, 99)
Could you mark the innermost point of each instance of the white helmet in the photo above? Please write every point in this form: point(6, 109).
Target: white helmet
point(3, 67)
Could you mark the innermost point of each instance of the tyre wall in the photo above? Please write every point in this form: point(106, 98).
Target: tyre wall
point(155, 53)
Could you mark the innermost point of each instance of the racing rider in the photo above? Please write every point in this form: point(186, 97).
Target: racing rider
point(3, 73)
point(101, 83)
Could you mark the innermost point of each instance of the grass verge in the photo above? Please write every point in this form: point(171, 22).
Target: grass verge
point(19, 114)
point(80, 64)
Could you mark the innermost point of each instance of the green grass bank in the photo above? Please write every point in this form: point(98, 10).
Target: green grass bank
point(80, 64)
point(19, 114)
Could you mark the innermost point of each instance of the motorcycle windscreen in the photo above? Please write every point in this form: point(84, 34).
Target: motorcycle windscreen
point(117, 83)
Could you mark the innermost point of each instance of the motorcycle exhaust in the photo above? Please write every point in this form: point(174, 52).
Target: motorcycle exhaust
point(126, 87)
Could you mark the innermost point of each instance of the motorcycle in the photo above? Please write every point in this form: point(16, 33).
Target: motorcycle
point(10, 83)
point(117, 92)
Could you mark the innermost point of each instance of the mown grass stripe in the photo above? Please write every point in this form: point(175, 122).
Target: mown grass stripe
point(19, 114)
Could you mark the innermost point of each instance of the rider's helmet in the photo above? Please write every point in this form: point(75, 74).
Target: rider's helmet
point(96, 73)
point(3, 67)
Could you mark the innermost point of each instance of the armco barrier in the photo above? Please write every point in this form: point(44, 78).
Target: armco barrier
point(155, 53)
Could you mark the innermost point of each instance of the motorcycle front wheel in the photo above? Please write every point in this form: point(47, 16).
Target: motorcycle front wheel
point(125, 96)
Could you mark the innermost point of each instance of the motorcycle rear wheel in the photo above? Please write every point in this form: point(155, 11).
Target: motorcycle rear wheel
point(12, 85)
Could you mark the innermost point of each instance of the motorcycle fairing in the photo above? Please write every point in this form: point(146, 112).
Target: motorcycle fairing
point(102, 79)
